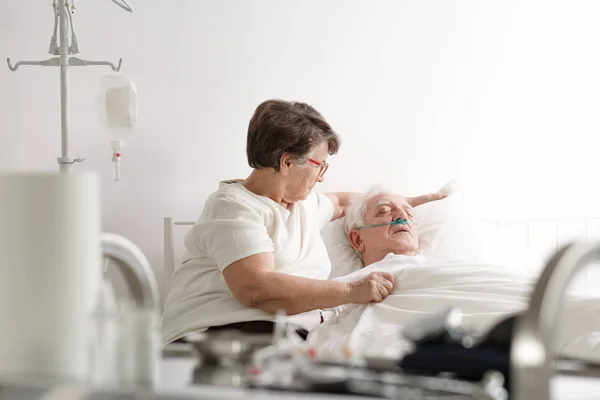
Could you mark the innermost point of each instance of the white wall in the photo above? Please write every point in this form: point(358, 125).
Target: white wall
point(502, 95)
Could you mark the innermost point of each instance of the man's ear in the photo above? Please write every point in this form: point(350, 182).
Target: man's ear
point(285, 164)
point(356, 241)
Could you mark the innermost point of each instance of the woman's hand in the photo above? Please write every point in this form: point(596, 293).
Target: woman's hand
point(342, 200)
point(425, 198)
point(405, 205)
point(373, 288)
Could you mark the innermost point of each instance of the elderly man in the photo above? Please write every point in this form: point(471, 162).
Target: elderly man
point(370, 232)
point(484, 293)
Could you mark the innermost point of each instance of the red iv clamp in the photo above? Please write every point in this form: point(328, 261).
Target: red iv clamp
point(117, 110)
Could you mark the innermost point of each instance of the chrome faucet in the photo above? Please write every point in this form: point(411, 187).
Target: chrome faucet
point(534, 342)
point(135, 267)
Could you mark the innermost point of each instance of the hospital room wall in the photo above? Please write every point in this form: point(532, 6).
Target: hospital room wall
point(503, 96)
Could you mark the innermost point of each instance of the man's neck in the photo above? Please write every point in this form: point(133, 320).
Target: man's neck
point(371, 258)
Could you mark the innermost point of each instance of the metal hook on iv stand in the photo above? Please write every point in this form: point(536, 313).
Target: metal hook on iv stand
point(62, 21)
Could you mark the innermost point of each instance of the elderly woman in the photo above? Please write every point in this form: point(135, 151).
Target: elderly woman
point(256, 249)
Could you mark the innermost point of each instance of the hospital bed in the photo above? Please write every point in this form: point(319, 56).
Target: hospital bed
point(543, 236)
point(572, 379)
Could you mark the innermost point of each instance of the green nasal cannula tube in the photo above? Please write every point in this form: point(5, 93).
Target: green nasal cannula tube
point(399, 221)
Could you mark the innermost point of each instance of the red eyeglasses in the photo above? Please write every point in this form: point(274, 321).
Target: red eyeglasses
point(323, 165)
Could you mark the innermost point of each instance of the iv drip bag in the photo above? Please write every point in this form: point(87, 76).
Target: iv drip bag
point(117, 110)
point(117, 106)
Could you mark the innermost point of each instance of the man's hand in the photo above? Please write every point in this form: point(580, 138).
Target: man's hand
point(373, 288)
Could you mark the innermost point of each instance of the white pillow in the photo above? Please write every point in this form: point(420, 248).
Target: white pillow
point(447, 229)
point(344, 260)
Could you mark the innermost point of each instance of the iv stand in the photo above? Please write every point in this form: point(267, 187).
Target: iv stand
point(63, 20)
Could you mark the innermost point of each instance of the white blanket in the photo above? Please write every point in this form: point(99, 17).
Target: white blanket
point(484, 293)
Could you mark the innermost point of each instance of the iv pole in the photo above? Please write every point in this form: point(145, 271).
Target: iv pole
point(63, 21)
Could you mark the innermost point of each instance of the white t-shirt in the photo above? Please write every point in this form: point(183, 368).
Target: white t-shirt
point(235, 224)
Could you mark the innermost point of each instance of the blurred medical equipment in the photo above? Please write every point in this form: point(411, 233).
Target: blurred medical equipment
point(280, 364)
point(534, 347)
point(223, 356)
point(284, 362)
point(120, 98)
point(60, 320)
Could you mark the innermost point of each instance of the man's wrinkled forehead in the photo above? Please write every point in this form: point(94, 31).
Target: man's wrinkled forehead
point(380, 200)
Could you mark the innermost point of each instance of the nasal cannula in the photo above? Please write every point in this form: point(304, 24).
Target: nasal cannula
point(398, 221)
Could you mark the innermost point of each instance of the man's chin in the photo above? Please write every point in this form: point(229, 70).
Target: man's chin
point(406, 249)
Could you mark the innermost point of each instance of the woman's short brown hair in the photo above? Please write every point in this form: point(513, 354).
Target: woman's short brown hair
point(279, 127)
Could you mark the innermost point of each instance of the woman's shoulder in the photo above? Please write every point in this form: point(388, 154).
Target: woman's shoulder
point(230, 199)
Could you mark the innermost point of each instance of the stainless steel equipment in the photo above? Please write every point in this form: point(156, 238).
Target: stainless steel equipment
point(534, 346)
point(134, 267)
point(126, 345)
point(224, 356)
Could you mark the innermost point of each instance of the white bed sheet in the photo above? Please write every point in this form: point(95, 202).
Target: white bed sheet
point(484, 293)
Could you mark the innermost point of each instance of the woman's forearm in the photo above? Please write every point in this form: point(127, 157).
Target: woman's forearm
point(341, 201)
point(294, 295)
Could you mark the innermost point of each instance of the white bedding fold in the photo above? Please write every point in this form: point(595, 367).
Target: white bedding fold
point(484, 293)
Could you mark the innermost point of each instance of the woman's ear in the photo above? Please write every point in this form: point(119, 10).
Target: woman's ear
point(356, 241)
point(285, 164)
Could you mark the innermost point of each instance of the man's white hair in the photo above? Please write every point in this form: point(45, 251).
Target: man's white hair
point(355, 213)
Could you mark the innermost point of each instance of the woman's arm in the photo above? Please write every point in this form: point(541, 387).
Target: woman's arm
point(254, 282)
point(341, 201)
point(425, 198)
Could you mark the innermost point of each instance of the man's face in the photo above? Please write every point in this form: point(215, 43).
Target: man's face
point(375, 243)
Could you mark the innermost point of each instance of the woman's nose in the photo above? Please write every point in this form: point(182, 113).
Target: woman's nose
point(320, 179)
